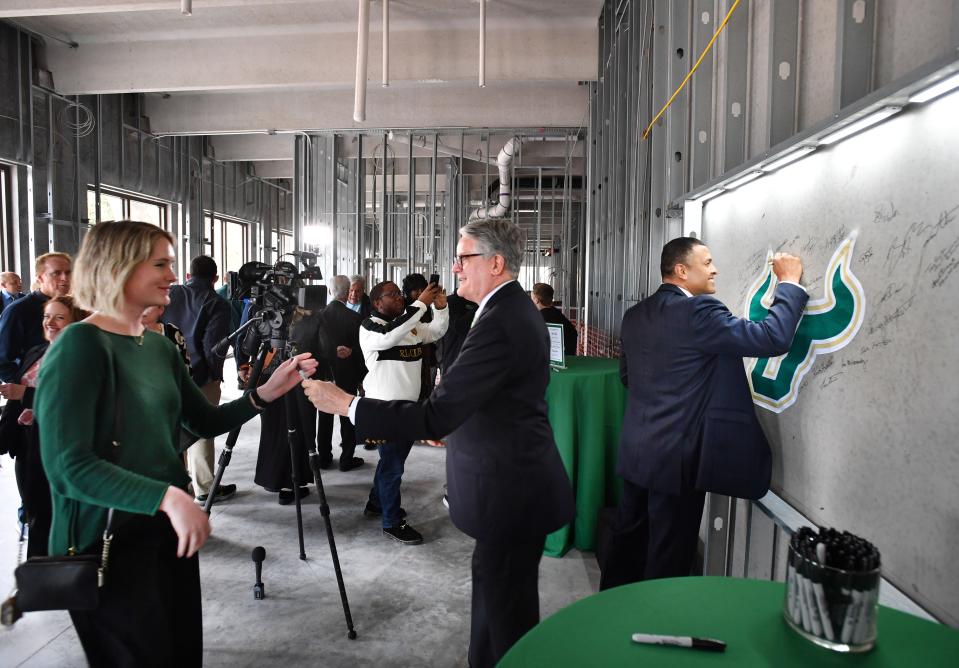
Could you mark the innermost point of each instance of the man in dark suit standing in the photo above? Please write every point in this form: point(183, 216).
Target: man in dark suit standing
point(357, 300)
point(204, 319)
point(508, 488)
point(690, 425)
point(21, 324)
point(542, 296)
point(10, 289)
point(342, 326)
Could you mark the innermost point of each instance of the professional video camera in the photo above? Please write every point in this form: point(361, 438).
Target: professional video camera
point(279, 286)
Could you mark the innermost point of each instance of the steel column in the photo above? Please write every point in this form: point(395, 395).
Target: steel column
point(410, 207)
point(334, 204)
point(360, 208)
point(98, 157)
point(385, 214)
point(431, 241)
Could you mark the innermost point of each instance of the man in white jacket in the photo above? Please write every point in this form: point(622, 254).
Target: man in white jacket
point(392, 341)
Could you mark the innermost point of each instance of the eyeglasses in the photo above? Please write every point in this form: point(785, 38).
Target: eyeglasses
point(392, 293)
point(458, 260)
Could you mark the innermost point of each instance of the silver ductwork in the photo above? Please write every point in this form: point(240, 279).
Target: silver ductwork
point(503, 161)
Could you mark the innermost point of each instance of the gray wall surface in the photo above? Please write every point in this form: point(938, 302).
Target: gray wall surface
point(872, 443)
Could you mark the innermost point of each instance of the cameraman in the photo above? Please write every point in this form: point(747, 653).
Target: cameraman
point(392, 340)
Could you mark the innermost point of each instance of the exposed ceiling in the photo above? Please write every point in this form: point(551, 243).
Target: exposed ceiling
point(267, 66)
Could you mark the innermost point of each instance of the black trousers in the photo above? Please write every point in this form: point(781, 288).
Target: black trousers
point(274, 466)
point(653, 536)
point(505, 597)
point(324, 437)
point(150, 610)
point(34, 494)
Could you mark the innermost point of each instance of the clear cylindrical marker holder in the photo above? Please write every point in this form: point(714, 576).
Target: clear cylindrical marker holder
point(833, 608)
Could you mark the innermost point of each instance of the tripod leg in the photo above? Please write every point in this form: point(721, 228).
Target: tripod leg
point(221, 465)
point(325, 512)
point(231, 439)
point(293, 419)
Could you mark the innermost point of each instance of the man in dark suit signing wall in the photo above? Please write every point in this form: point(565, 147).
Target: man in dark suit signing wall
point(507, 485)
point(690, 425)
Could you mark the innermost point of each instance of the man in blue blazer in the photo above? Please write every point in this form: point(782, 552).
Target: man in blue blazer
point(508, 488)
point(690, 425)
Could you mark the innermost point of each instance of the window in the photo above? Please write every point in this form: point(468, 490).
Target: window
point(285, 245)
point(119, 206)
point(227, 242)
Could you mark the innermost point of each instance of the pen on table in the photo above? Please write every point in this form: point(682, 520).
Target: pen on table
point(706, 644)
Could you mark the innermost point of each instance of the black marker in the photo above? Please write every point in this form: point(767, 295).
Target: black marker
point(706, 644)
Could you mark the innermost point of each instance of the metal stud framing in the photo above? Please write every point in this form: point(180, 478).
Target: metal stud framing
point(783, 69)
point(855, 50)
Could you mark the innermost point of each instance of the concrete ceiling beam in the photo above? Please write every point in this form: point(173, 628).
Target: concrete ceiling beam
point(420, 59)
point(233, 148)
point(17, 8)
point(560, 104)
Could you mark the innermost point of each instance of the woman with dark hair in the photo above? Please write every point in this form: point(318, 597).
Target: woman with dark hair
point(19, 432)
point(113, 445)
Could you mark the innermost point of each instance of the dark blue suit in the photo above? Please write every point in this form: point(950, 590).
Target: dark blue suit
point(507, 485)
point(21, 328)
point(690, 424)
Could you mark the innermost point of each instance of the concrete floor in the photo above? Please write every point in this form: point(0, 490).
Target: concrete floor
point(410, 604)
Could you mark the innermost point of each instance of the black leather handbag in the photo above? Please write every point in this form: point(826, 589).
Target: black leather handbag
point(70, 582)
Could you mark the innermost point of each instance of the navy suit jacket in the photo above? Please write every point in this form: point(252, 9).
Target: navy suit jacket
point(506, 481)
point(690, 422)
point(204, 318)
point(21, 328)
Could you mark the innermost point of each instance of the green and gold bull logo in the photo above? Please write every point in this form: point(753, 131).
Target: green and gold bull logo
point(827, 325)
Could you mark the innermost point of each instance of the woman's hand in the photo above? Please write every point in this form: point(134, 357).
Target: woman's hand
point(286, 376)
point(190, 523)
point(12, 391)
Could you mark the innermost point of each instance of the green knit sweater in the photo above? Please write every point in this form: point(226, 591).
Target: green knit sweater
point(91, 468)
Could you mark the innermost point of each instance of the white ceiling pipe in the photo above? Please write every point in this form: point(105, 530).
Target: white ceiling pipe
point(503, 162)
point(482, 46)
point(186, 7)
point(386, 43)
point(362, 52)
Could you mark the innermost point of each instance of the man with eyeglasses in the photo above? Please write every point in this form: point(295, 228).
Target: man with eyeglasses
point(508, 488)
point(392, 340)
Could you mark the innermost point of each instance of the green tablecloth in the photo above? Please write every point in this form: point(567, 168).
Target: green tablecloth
point(586, 405)
point(746, 614)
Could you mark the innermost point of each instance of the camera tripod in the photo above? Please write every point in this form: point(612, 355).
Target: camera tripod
point(278, 341)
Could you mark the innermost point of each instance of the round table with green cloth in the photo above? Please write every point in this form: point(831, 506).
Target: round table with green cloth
point(745, 614)
point(586, 405)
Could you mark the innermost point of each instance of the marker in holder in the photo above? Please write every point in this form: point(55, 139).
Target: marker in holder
point(832, 589)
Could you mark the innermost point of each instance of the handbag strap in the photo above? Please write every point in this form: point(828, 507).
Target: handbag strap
point(108, 529)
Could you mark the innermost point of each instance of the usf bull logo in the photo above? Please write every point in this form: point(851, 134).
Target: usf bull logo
point(827, 324)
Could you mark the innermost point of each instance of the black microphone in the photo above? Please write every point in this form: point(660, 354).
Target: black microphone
point(221, 347)
point(259, 554)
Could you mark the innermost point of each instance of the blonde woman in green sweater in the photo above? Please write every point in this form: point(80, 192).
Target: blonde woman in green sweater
point(110, 399)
